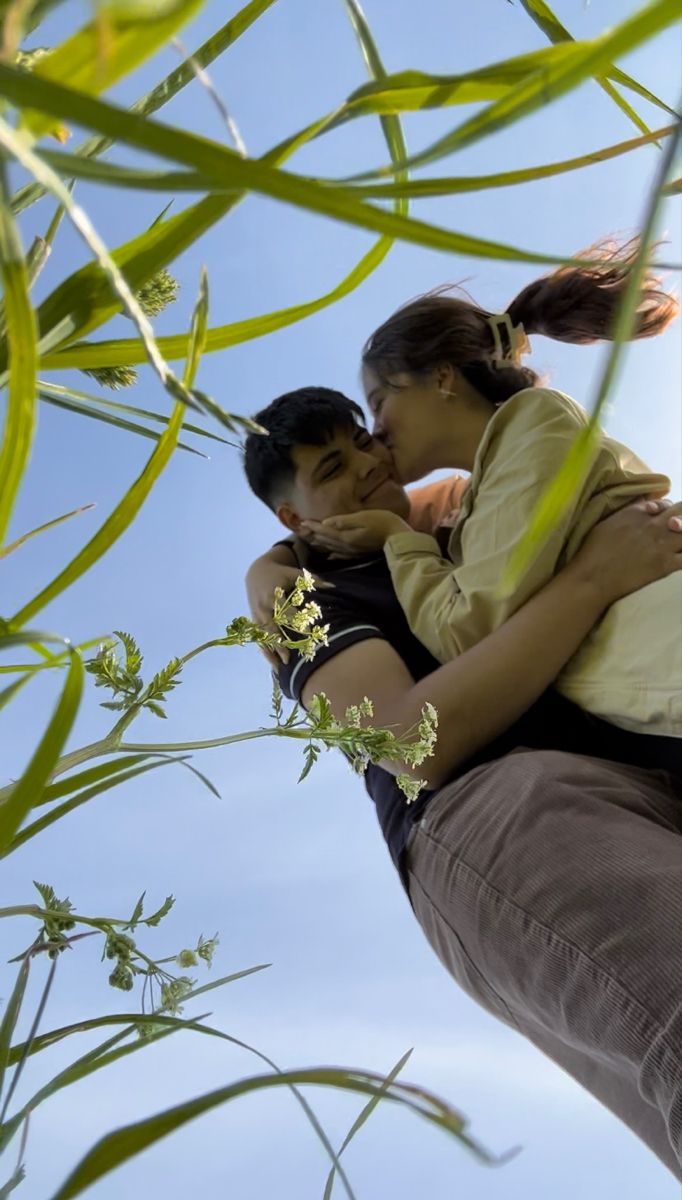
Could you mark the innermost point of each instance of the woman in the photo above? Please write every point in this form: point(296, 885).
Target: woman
point(444, 381)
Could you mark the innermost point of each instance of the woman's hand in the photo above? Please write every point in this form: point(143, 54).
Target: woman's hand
point(275, 569)
point(633, 547)
point(354, 533)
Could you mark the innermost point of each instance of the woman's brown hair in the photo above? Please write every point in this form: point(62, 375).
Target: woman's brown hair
point(573, 304)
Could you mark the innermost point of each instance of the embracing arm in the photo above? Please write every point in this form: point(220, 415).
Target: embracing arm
point(450, 608)
point(481, 693)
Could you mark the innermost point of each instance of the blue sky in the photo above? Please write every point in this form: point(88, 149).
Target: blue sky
point(299, 876)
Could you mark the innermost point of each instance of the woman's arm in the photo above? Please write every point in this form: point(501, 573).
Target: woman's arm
point(450, 607)
point(482, 693)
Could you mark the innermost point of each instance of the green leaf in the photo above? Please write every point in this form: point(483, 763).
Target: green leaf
point(221, 336)
point(551, 26)
point(20, 323)
point(160, 913)
point(197, 333)
point(565, 67)
point(125, 1143)
point(571, 474)
point(454, 184)
point(11, 1015)
point(259, 175)
point(92, 61)
point(165, 90)
point(25, 537)
point(55, 391)
point(364, 1116)
point(22, 795)
point(81, 408)
point(137, 912)
point(62, 810)
point(109, 269)
point(114, 526)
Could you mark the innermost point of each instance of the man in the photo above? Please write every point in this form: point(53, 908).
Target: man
point(543, 870)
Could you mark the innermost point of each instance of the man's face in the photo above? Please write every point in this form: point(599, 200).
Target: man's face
point(350, 472)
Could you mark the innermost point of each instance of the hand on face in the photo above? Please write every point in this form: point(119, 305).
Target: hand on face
point(354, 533)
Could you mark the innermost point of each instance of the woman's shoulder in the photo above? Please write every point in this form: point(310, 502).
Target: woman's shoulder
point(543, 402)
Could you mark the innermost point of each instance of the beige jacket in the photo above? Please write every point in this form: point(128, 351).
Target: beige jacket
point(630, 668)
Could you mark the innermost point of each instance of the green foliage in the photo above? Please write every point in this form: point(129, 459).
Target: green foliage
point(44, 92)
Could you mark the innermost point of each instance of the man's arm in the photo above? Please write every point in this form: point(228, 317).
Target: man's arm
point(483, 691)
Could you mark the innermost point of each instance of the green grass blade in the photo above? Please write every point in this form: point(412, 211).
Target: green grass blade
point(165, 90)
point(25, 537)
point(118, 1147)
point(11, 1015)
point(566, 66)
point(71, 166)
point(86, 410)
point(364, 1116)
point(115, 525)
point(260, 176)
point(197, 333)
point(673, 188)
point(22, 796)
point(56, 390)
point(92, 67)
point(20, 323)
point(570, 476)
point(108, 267)
point(88, 777)
point(391, 126)
point(551, 26)
point(174, 346)
point(67, 806)
point(101, 1057)
point(453, 185)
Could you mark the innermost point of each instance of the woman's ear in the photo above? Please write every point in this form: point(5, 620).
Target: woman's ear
point(445, 379)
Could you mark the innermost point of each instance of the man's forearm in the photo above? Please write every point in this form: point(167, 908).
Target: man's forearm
point(482, 693)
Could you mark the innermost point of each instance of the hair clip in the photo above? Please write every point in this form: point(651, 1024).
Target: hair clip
point(511, 342)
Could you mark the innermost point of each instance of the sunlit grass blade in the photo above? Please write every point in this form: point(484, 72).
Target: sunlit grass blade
point(57, 391)
point(174, 346)
point(106, 263)
point(115, 525)
point(92, 64)
point(260, 176)
point(571, 474)
point(88, 410)
point(453, 185)
point(25, 537)
point(72, 166)
point(118, 1147)
point(567, 65)
point(43, 1041)
point(22, 795)
point(364, 1116)
point(165, 90)
point(157, 1025)
point(20, 324)
point(197, 333)
point(390, 124)
point(551, 26)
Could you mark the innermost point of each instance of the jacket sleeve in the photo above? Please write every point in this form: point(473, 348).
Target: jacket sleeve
point(452, 605)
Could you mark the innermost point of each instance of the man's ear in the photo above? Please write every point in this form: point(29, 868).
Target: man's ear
point(288, 517)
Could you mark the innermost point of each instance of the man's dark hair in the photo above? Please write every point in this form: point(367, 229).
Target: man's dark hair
point(309, 416)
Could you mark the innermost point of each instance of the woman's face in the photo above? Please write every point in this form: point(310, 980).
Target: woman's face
point(413, 414)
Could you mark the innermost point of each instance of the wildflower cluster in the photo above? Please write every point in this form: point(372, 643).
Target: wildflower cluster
point(361, 742)
point(292, 614)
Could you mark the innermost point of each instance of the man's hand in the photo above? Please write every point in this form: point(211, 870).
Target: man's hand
point(354, 533)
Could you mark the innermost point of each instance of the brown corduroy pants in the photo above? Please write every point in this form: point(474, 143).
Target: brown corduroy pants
point(550, 887)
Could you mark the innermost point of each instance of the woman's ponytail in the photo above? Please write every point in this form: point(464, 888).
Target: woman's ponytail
point(580, 304)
